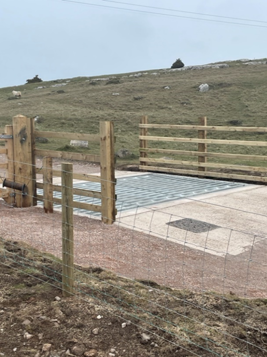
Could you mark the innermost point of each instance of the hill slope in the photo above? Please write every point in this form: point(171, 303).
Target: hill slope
point(237, 96)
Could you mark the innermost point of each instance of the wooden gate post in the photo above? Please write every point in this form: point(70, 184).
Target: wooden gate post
point(107, 167)
point(24, 160)
point(202, 148)
point(143, 143)
point(67, 229)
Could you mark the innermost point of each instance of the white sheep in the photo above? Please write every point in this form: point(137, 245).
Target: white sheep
point(16, 94)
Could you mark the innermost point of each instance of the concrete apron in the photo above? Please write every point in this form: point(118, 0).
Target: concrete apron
point(239, 213)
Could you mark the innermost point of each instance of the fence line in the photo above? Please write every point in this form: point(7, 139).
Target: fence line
point(183, 319)
point(238, 171)
point(181, 293)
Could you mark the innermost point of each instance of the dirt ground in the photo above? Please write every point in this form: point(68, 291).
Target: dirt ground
point(111, 316)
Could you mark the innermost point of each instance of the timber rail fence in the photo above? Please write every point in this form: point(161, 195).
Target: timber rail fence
point(20, 168)
point(217, 167)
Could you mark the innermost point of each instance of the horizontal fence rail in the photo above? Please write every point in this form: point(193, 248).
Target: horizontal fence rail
point(68, 155)
point(76, 191)
point(204, 127)
point(220, 163)
point(199, 164)
point(65, 135)
point(75, 204)
point(204, 141)
point(76, 176)
point(206, 154)
point(205, 173)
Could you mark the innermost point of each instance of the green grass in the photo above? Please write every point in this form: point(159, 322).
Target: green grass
point(238, 93)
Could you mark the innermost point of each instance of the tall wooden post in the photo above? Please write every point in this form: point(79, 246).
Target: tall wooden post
point(143, 143)
point(10, 198)
point(24, 160)
point(107, 168)
point(67, 229)
point(48, 184)
point(202, 147)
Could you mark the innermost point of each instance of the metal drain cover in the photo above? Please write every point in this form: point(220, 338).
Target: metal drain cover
point(193, 225)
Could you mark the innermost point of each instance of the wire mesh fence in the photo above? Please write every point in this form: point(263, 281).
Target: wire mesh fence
point(184, 277)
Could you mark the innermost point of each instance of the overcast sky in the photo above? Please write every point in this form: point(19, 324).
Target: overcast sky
point(60, 39)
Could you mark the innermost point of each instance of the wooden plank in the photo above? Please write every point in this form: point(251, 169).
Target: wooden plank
point(10, 153)
point(4, 165)
point(3, 151)
point(67, 230)
point(76, 191)
point(48, 184)
point(68, 155)
point(85, 177)
point(143, 132)
point(202, 147)
point(10, 198)
point(64, 135)
point(107, 167)
point(82, 177)
point(24, 159)
point(208, 154)
point(87, 193)
point(3, 193)
point(75, 204)
point(204, 141)
point(210, 164)
point(198, 127)
point(87, 206)
point(207, 174)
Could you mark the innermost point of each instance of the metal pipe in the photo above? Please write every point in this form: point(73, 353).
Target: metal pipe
point(15, 185)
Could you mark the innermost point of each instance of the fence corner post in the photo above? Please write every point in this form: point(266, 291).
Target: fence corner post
point(202, 147)
point(107, 168)
point(67, 229)
point(142, 142)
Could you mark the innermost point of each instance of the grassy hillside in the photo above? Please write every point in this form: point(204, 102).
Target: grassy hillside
point(237, 97)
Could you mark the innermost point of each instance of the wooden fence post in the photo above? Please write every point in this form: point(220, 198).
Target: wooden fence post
point(48, 184)
point(143, 143)
point(107, 167)
point(24, 160)
point(202, 148)
point(67, 229)
point(10, 199)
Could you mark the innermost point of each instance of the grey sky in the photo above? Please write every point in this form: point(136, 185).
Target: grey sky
point(58, 39)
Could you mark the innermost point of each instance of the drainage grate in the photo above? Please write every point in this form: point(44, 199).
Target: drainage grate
point(193, 225)
point(151, 189)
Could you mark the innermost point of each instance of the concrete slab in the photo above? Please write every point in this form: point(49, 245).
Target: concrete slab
point(240, 213)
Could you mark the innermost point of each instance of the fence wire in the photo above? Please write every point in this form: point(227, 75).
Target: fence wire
point(185, 278)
